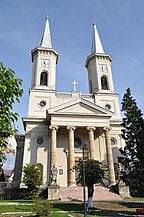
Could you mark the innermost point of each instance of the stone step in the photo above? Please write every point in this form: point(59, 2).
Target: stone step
point(1, 193)
point(75, 193)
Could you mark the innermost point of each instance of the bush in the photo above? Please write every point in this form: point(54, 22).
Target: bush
point(42, 209)
point(32, 179)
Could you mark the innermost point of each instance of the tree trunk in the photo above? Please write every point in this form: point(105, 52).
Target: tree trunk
point(90, 195)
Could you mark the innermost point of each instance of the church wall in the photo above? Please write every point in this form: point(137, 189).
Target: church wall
point(112, 100)
point(35, 153)
point(102, 149)
point(51, 99)
point(62, 157)
point(92, 76)
point(97, 149)
point(18, 160)
point(26, 158)
point(36, 96)
point(34, 69)
point(44, 60)
point(100, 145)
point(119, 142)
point(108, 74)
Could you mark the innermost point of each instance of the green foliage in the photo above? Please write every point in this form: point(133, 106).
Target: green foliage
point(10, 91)
point(32, 179)
point(94, 172)
point(132, 159)
point(42, 209)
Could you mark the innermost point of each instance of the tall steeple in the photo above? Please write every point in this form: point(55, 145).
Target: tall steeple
point(44, 60)
point(96, 42)
point(98, 65)
point(46, 36)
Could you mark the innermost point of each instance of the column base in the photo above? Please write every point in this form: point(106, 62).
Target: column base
point(112, 184)
point(71, 184)
point(53, 192)
point(124, 191)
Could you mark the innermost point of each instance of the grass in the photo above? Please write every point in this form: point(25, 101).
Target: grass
point(107, 209)
point(136, 199)
point(16, 208)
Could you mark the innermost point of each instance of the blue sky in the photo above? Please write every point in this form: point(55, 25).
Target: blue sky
point(120, 25)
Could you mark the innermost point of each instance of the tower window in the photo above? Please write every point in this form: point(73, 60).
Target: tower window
point(43, 78)
point(104, 83)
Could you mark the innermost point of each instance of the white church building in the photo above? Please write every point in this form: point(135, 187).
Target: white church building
point(59, 124)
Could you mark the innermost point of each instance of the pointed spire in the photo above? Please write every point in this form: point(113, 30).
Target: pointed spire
point(46, 37)
point(96, 42)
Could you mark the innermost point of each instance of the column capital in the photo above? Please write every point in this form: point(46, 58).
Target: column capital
point(71, 127)
point(106, 129)
point(53, 127)
point(91, 128)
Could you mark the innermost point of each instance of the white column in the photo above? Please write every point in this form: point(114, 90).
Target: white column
point(91, 142)
point(109, 156)
point(53, 145)
point(71, 160)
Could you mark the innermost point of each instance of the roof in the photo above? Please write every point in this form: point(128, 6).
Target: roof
point(46, 36)
point(96, 42)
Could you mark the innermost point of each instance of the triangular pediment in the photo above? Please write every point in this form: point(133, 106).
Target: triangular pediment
point(79, 107)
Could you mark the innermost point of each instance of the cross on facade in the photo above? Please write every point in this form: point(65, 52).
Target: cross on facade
point(74, 85)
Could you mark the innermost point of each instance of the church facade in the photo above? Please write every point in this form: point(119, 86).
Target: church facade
point(60, 124)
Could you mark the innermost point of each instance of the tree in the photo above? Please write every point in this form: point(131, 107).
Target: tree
point(32, 179)
point(10, 91)
point(94, 173)
point(132, 159)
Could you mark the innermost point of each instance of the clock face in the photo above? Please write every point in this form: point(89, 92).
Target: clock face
point(45, 63)
point(102, 68)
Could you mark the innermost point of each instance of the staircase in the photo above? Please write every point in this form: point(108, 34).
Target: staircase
point(75, 193)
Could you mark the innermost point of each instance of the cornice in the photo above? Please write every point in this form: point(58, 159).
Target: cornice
point(40, 50)
point(98, 57)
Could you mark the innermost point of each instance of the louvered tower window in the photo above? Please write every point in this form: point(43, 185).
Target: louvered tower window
point(104, 83)
point(43, 78)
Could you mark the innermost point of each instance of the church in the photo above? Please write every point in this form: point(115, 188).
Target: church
point(61, 126)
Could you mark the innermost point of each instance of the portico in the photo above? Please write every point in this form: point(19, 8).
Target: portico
point(92, 152)
point(83, 114)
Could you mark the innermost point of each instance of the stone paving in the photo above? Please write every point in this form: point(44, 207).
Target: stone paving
point(75, 193)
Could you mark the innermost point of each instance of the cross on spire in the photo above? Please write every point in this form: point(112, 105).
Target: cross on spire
point(74, 85)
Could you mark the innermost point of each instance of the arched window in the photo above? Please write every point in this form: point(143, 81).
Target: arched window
point(43, 78)
point(104, 83)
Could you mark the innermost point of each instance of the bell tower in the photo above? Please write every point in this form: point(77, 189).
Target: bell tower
point(100, 78)
point(44, 60)
point(98, 65)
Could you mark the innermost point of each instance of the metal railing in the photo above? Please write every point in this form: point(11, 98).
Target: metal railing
point(81, 95)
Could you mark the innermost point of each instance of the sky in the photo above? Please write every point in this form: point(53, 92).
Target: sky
point(121, 29)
